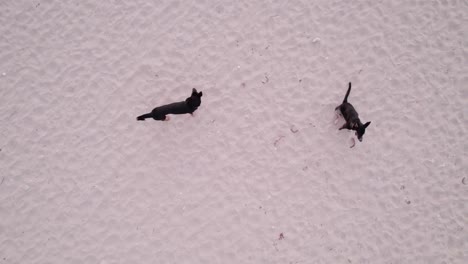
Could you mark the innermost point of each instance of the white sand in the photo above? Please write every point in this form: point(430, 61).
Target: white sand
point(83, 182)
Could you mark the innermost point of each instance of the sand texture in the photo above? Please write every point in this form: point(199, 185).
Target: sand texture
point(261, 174)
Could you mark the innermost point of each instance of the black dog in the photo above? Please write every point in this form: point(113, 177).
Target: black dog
point(185, 107)
point(352, 117)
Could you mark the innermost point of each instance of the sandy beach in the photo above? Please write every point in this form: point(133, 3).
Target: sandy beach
point(260, 174)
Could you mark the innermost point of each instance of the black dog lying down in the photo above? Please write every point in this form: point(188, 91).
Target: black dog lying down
point(352, 117)
point(185, 107)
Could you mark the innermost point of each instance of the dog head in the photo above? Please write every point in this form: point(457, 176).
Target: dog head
point(360, 130)
point(194, 100)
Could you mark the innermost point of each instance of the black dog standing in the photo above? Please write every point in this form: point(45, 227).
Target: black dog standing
point(185, 107)
point(352, 117)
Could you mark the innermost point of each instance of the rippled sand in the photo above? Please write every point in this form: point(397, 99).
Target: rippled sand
point(261, 174)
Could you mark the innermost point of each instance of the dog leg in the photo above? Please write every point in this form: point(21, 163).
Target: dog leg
point(344, 126)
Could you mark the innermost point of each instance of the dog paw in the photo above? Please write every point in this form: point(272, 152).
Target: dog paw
point(353, 143)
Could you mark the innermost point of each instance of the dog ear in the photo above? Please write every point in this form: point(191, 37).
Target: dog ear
point(200, 94)
point(366, 124)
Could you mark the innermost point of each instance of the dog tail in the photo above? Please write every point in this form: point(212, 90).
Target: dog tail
point(347, 94)
point(143, 117)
